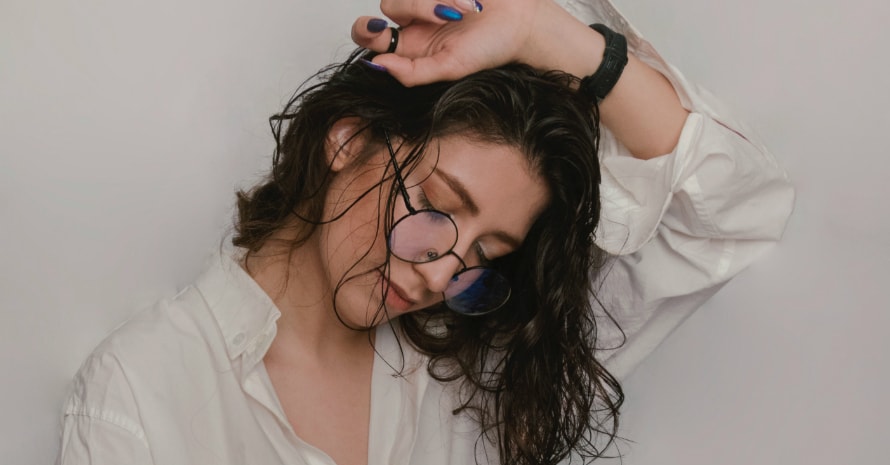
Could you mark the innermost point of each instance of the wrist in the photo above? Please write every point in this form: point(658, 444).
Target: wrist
point(559, 41)
point(597, 85)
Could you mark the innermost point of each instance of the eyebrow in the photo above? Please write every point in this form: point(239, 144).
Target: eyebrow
point(468, 203)
point(461, 191)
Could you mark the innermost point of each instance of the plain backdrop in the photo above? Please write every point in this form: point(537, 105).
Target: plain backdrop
point(126, 126)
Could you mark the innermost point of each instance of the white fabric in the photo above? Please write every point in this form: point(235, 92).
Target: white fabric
point(680, 225)
point(184, 382)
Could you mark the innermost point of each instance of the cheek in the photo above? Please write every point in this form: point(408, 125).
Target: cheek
point(352, 252)
point(354, 243)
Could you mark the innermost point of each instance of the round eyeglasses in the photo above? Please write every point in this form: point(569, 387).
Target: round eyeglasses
point(423, 236)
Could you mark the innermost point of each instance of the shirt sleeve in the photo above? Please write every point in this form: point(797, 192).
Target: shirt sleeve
point(100, 420)
point(679, 226)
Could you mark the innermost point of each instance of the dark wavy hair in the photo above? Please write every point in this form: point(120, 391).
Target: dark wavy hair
point(527, 373)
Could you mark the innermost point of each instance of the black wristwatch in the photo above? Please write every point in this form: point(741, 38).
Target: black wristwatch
point(599, 84)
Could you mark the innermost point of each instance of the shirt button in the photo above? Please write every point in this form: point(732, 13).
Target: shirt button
point(238, 339)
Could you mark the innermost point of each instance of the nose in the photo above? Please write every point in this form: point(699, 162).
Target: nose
point(438, 273)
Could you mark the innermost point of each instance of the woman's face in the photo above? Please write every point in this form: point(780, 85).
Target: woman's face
point(487, 189)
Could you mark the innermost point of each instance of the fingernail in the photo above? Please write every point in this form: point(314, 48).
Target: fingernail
point(473, 5)
point(377, 24)
point(372, 65)
point(447, 13)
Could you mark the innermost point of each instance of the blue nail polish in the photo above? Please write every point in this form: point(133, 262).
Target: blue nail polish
point(478, 7)
point(447, 13)
point(377, 24)
point(372, 65)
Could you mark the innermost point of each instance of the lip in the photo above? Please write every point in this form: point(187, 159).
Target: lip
point(395, 297)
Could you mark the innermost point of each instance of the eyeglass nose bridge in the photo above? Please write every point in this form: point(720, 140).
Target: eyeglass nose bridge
point(463, 264)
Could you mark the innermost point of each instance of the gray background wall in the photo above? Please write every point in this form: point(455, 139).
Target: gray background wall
point(125, 126)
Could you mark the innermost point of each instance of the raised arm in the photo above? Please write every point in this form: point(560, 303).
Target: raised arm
point(642, 110)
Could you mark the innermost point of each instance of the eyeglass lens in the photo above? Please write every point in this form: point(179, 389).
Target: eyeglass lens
point(477, 290)
point(423, 236)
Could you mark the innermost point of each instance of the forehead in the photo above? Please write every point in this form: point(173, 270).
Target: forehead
point(498, 178)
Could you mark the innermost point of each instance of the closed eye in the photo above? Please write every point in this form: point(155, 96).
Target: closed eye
point(425, 203)
point(424, 200)
point(483, 259)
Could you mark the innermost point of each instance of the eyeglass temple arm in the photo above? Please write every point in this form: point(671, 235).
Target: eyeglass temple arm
point(399, 179)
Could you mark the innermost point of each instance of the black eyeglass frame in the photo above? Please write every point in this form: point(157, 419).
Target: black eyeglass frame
point(400, 181)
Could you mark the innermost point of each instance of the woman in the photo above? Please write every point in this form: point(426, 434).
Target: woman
point(412, 283)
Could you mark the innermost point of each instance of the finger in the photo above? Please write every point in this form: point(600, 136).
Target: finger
point(372, 33)
point(431, 11)
point(410, 72)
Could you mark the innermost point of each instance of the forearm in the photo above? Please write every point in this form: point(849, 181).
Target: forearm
point(642, 110)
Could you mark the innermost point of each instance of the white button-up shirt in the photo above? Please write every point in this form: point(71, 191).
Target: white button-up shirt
point(184, 382)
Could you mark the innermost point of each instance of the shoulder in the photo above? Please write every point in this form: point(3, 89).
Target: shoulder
point(165, 329)
point(104, 415)
point(143, 352)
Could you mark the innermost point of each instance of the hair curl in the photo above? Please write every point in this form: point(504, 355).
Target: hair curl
point(528, 372)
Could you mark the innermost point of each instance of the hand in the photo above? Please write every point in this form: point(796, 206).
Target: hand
point(432, 48)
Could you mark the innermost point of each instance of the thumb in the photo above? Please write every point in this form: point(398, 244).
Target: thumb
point(443, 66)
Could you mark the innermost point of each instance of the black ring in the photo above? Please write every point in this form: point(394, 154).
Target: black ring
point(393, 40)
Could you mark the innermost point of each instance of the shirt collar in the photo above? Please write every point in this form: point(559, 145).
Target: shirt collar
point(244, 312)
